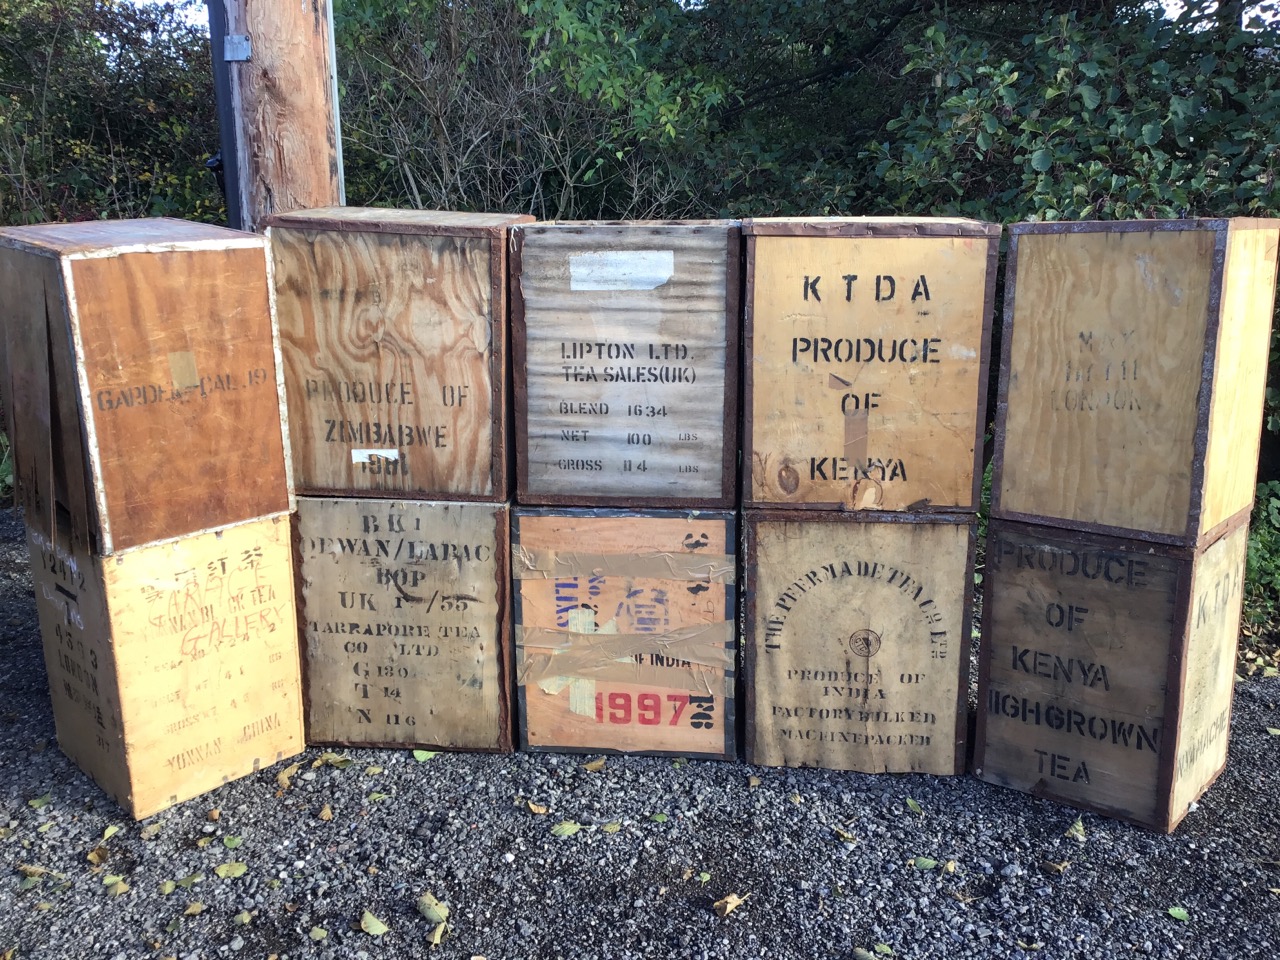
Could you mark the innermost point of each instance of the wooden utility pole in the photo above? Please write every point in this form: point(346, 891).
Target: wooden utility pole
point(277, 92)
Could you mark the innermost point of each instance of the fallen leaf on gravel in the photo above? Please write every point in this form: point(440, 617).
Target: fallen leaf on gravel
point(376, 796)
point(729, 904)
point(45, 827)
point(110, 832)
point(284, 779)
point(194, 908)
point(372, 925)
point(566, 828)
point(1031, 946)
point(229, 871)
point(679, 762)
point(31, 870)
point(924, 863)
point(1179, 913)
point(613, 826)
point(318, 933)
point(949, 866)
point(42, 905)
point(796, 799)
point(536, 808)
point(190, 880)
point(595, 766)
point(432, 910)
point(422, 756)
point(326, 813)
point(1274, 731)
point(151, 831)
point(5, 834)
point(704, 876)
point(844, 835)
point(884, 950)
point(1059, 868)
point(658, 817)
point(28, 883)
point(9, 954)
point(214, 815)
point(118, 888)
point(688, 873)
point(243, 918)
point(335, 760)
point(1076, 830)
point(40, 801)
point(232, 842)
point(1275, 890)
point(168, 887)
point(97, 856)
point(111, 878)
point(753, 782)
point(436, 936)
point(173, 925)
point(372, 770)
point(862, 953)
point(963, 897)
point(914, 807)
point(204, 842)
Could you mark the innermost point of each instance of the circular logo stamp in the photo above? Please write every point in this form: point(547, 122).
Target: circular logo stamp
point(864, 643)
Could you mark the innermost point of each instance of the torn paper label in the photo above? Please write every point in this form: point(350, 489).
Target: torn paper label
point(621, 269)
point(369, 456)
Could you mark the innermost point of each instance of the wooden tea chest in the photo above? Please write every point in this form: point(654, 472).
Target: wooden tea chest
point(1135, 361)
point(393, 327)
point(173, 668)
point(143, 379)
point(625, 339)
point(1106, 668)
point(624, 631)
point(404, 613)
point(865, 359)
point(856, 642)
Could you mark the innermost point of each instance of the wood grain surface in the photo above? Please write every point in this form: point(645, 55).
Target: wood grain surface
point(288, 151)
point(625, 347)
point(173, 668)
point(1106, 349)
point(1240, 370)
point(178, 388)
point(866, 362)
point(856, 644)
point(403, 610)
point(613, 653)
point(394, 357)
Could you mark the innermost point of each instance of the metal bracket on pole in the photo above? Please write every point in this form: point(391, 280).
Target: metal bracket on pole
point(236, 48)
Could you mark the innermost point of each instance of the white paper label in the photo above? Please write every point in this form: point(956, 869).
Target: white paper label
point(368, 456)
point(621, 269)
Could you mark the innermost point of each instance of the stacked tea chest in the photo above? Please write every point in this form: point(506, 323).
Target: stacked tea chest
point(865, 384)
point(393, 329)
point(141, 369)
point(625, 342)
point(1135, 359)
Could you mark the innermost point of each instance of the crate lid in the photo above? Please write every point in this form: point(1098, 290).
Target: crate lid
point(105, 238)
point(868, 227)
point(388, 220)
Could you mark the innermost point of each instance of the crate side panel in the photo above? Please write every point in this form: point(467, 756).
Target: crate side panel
point(402, 613)
point(1108, 335)
point(861, 638)
point(31, 285)
point(71, 603)
point(204, 633)
point(630, 646)
point(179, 388)
point(1077, 635)
point(1235, 417)
point(626, 347)
point(1205, 723)
point(866, 368)
point(388, 343)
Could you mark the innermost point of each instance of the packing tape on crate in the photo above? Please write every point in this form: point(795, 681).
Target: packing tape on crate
point(534, 564)
point(555, 659)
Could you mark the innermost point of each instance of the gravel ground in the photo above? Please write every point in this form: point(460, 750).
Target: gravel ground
point(660, 842)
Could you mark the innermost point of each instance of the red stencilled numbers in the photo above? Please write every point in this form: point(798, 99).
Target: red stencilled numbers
point(646, 709)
